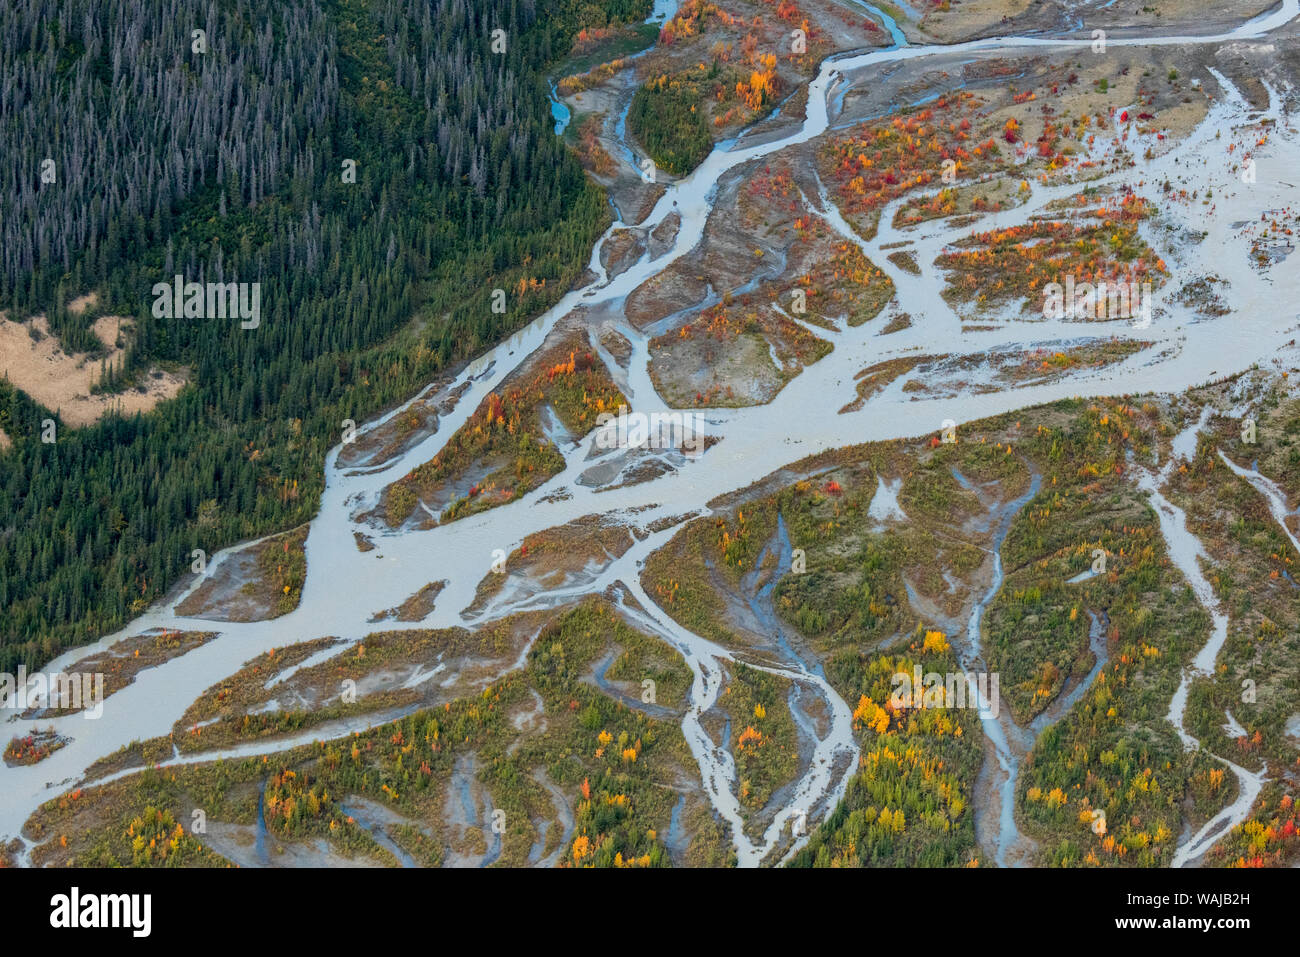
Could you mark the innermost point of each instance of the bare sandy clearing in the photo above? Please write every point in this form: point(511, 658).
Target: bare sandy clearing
point(62, 382)
point(82, 303)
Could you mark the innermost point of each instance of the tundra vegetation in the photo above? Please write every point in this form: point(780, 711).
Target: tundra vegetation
point(616, 771)
point(876, 597)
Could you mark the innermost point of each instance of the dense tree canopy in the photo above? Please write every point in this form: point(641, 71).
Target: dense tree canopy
point(226, 165)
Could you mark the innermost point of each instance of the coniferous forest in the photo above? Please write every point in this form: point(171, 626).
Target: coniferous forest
point(228, 165)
